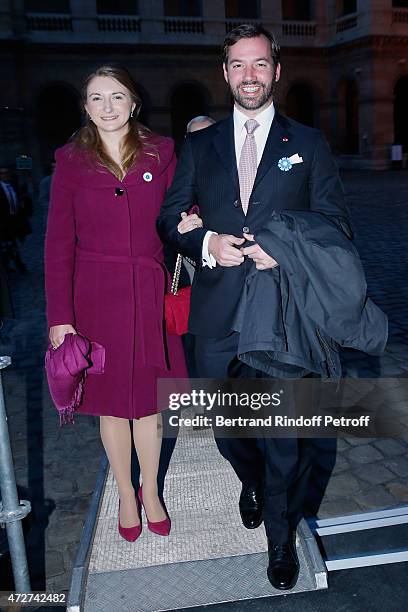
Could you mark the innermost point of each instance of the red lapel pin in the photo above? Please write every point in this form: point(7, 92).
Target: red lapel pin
point(285, 139)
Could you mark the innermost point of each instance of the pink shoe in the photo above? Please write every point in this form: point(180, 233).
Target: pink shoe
point(160, 527)
point(131, 533)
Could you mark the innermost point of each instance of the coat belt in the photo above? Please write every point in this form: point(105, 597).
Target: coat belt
point(150, 287)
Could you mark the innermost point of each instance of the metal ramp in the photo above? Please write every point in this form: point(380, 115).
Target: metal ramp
point(208, 558)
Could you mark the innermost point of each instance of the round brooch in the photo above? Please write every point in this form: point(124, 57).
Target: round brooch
point(147, 177)
point(284, 164)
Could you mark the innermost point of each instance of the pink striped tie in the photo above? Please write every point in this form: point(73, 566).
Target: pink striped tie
point(247, 164)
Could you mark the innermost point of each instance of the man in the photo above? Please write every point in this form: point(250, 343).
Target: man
point(8, 206)
point(199, 123)
point(239, 172)
point(44, 188)
point(13, 222)
point(194, 125)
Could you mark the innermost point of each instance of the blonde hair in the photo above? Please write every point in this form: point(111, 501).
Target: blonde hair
point(138, 137)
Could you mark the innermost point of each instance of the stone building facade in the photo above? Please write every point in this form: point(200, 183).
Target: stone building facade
point(344, 67)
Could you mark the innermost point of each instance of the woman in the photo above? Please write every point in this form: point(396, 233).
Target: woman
point(105, 279)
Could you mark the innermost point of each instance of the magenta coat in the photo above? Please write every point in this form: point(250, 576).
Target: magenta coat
point(105, 275)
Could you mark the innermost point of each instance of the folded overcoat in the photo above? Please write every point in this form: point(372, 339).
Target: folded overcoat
point(105, 274)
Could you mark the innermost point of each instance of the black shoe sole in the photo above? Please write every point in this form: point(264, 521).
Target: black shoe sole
point(258, 524)
point(284, 588)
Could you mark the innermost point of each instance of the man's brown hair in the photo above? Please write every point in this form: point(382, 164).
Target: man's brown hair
point(249, 30)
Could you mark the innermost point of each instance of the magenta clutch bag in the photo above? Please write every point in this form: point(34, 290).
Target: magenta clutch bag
point(67, 367)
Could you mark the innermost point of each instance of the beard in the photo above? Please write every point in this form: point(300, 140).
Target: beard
point(249, 102)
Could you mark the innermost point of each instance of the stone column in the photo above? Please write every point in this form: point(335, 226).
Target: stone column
point(17, 16)
point(84, 20)
point(379, 14)
point(322, 14)
point(152, 15)
point(384, 73)
point(214, 18)
point(6, 24)
point(365, 14)
point(271, 16)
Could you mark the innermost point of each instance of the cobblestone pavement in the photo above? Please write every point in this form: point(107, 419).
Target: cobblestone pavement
point(56, 468)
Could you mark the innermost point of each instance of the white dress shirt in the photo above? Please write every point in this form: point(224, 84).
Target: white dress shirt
point(264, 119)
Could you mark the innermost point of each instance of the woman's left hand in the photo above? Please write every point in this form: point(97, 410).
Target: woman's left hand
point(189, 223)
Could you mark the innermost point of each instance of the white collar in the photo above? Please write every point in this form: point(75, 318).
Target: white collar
point(264, 118)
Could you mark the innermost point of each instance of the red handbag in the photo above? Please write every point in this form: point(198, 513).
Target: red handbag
point(177, 304)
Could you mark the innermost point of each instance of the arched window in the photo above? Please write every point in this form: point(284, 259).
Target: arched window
point(146, 109)
point(296, 10)
point(183, 8)
point(117, 7)
point(242, 9)
point(47, 6)
point(188, 100)
point(346, 7)
point(301, 104)
point(58, 116)
point(400, 112)
point(348, 117)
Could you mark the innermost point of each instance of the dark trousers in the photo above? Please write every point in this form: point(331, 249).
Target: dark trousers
point(282, 466)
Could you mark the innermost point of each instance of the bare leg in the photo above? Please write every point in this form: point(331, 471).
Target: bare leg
point(116, 439)
point(147, 434)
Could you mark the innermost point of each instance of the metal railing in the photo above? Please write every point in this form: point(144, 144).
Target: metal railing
point(183, 25)
point(115, 23)
point(49, 22)
point(299, 28)
point(400, 15)
point(12, 510)
point(65, 24)
point(346, 23)
point(230, 23)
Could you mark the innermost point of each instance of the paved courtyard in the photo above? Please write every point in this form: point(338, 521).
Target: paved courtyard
point(56, 468)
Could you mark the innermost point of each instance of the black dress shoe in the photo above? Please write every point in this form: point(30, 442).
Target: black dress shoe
point(283, 568)
point(251, 503)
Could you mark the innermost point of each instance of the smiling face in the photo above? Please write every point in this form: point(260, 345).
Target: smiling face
point(251, 75)
point(109, 104)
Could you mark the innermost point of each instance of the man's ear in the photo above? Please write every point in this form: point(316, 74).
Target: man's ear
point(277, 72)
point(224, 68)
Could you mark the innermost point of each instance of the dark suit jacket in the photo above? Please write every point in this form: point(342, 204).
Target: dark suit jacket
point(207, 175)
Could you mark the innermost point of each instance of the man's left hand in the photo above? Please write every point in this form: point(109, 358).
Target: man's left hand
point(262, 260)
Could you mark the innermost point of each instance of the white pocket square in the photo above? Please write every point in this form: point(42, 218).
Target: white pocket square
point(295, 159)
